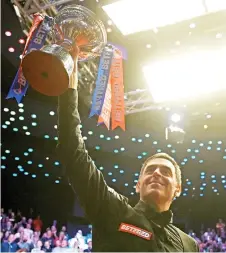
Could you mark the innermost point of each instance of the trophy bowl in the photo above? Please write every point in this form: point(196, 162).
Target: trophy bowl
point(48, 70)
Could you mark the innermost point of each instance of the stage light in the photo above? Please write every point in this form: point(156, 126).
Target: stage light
point(116, 151)
point(57, 163)
point(136, 174)
point(4, 126)
point(139, 157)
point(159, 150)
point(26, 173)
point(200, 161)
point(14, 174)
point(97, 147)
point(139, 140)
point(218, 148)
point(57, 181)
point(84, 138)
point(30, 150)
point(40, 165)
point(109, 29)
point(108, 138)
point(169, 145)
point(101, 136)
point(192, 25)
point(222, 176)
point(21, 118)
point(21, 105)
point(121, 171)
point(46, 174)
point(219, 142)
point(214, 181)
point(152, 14)
point(25, 127)
point(132, 193)
point(46, 136)
point(113, 180)
point(101, 168)
point(3, 158)
point(29, 162)
point(27, 133)
point(196, 151)
point(147, 135)
point(6, 109)
point(213, 176)
point(148, 46)
point(26, 154)
point(90, 132)
point(210, 142)
point(33, 123)
point(33, 176)
point(51, 113)
point(135, 181)
point(155, 142)
point(8, 33)
point(34, 116)
point(175, 117)
point(7, 123)
point(17, 158)
point(133, 139)
point(110, 173)
point(201, 144)
point(122, 149)
point(144, 153)
point(12, 119)
point(219, 35)
point(208, 148)
point(178, 83)
point(21, 41)
point(126, 184)
point(11, 49)
point(3, 167)
point(15, 129)
point(116, 137)
point(55, 126)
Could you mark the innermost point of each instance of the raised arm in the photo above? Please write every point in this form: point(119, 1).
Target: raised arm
point(95, 196)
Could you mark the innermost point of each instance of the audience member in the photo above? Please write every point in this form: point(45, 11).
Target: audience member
point(20, 234)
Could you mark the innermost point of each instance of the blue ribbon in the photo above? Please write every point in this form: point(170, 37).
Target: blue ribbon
point(19, 86)
point(102, 81)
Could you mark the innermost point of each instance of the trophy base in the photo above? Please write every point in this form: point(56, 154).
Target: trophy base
point(45, 73)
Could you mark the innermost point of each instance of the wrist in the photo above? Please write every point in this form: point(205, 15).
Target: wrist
point(73, 81)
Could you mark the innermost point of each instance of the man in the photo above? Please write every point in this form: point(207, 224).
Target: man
point(117, 226)
point(9, 246)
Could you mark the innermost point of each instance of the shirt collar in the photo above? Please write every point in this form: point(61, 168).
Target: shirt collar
point(162, 219)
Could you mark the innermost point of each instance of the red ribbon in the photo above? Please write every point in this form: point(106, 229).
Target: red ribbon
point(117, 87)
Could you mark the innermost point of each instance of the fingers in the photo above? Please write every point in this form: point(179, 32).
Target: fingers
point(74, 53)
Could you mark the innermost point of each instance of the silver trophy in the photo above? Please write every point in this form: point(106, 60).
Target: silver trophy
point(49, 69)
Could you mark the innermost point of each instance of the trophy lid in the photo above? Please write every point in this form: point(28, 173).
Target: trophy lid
point(78, 25)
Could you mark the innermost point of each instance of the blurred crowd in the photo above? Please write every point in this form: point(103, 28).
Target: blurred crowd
point(21, 234)
point(212, 240)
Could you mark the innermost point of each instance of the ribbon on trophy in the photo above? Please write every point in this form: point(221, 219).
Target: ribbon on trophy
point(108, 98)
point(35, 41)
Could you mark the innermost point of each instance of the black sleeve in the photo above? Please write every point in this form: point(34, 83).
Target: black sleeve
point(95, 196)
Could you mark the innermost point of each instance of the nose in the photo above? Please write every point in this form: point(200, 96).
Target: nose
point(157, 172)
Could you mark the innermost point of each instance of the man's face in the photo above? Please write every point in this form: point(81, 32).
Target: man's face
point(158, 181)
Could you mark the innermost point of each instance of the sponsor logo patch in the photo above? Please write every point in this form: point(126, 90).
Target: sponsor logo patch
point(127, 228)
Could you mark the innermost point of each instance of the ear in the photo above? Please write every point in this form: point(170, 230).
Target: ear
point(178, 190)
point(138, 187)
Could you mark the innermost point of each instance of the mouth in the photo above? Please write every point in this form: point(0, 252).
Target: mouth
point(155, 182)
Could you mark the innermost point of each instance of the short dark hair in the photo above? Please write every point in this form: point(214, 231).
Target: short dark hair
point(167, 157)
